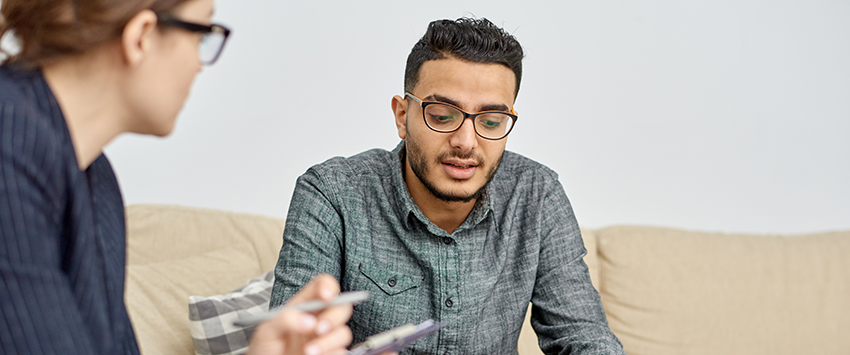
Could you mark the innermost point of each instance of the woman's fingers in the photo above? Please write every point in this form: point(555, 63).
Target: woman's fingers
point(333, 342)
point(286, 331)
point(323, 287)
point(295, 322)
point(296, 332)
point(333, 317)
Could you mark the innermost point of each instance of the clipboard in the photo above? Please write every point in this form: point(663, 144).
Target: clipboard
point(396, 339)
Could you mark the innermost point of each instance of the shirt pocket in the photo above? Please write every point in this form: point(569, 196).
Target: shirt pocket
point(392, 283)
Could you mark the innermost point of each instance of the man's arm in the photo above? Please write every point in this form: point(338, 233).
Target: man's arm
point(312, 238)
point(566, 311)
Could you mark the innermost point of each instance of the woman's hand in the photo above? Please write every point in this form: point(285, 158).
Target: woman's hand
point(301, 333)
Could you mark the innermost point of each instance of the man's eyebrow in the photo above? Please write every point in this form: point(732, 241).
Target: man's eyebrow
point(490, 107)
point(495, 107)
point(441, 98)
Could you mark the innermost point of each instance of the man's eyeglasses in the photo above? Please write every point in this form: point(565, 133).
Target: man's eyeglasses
point(213, 36)
point(446, 118)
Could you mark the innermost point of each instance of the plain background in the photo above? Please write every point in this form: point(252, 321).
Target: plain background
point(708, 115)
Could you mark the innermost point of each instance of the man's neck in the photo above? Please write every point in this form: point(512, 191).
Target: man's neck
point(446, 215)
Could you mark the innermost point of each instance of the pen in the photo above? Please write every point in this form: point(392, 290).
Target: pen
point(352, 297)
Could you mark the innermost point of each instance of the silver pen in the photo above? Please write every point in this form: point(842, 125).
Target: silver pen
point(352, 297)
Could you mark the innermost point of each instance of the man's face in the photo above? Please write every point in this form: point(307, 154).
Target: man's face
point(454, 166)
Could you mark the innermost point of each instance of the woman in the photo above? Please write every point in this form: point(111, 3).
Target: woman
point(87, 71)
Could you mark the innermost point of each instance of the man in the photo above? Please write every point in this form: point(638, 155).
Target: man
point(448, 225)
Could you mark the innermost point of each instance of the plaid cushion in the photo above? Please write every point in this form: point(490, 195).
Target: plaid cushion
point(211, 318)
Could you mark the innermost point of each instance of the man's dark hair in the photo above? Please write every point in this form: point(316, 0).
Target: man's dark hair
point(474, 40)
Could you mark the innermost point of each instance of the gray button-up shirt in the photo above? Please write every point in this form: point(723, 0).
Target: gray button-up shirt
point(354, 218)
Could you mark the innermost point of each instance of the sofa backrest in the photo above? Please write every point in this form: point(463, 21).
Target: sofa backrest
point(175, 252)
point(670, 291)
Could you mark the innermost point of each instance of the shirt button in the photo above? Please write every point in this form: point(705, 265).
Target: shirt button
point(449, 303)
point(447, 241)
point(391, 282)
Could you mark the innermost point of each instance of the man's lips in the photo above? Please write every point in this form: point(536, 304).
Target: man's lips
point(460, 169)
point(462, 165)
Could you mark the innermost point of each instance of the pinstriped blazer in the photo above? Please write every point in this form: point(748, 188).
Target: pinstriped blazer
point(62, 234)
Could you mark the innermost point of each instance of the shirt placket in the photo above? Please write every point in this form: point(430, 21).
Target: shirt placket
point(449, 295)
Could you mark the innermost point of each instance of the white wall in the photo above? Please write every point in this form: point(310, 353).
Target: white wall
point(711, 115)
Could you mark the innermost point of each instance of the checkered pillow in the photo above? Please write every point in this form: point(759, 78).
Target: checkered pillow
point(211, 318)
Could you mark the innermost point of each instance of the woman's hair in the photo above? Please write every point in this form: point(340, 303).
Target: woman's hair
point(52, 29)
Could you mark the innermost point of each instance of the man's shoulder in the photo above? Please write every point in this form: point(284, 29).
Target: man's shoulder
point(376, 162)
point(516, 166)
point(522, 179)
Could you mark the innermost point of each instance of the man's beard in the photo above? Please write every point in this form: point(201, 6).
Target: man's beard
point(419, 165)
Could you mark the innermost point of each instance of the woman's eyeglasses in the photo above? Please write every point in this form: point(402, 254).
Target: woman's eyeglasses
point(213, 36)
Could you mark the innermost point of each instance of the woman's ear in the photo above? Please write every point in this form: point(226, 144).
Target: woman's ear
point(399, 105)
point(138, 36)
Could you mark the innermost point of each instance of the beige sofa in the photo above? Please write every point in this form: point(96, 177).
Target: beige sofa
point(665, 291)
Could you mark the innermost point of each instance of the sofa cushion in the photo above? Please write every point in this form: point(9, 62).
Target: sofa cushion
point(675, 292)
point(175, 252)
point(211, 318)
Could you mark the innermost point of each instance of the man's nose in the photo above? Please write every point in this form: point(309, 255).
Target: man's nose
point(465, 139)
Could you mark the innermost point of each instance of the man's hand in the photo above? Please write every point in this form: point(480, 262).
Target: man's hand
point(300, 333)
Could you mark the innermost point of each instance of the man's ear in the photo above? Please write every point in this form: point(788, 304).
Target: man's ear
point(399, 105)
point(137, 37)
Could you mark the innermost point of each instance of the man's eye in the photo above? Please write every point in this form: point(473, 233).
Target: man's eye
point(491, 124)
point(442, 118)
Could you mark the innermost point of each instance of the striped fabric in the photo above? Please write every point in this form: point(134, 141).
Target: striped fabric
point(62, 234)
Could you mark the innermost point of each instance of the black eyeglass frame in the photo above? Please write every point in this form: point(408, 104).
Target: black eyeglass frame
point(170, 20)
point(512, 115)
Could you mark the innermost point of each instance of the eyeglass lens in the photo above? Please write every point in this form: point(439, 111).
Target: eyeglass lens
point(444, 118)
point(210, 46)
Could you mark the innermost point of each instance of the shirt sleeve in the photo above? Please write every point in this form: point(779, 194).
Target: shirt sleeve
point(38, 311)
point(567, 312)
point(312, 238)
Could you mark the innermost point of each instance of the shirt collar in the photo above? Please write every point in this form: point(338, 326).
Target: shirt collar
point(409, 208)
